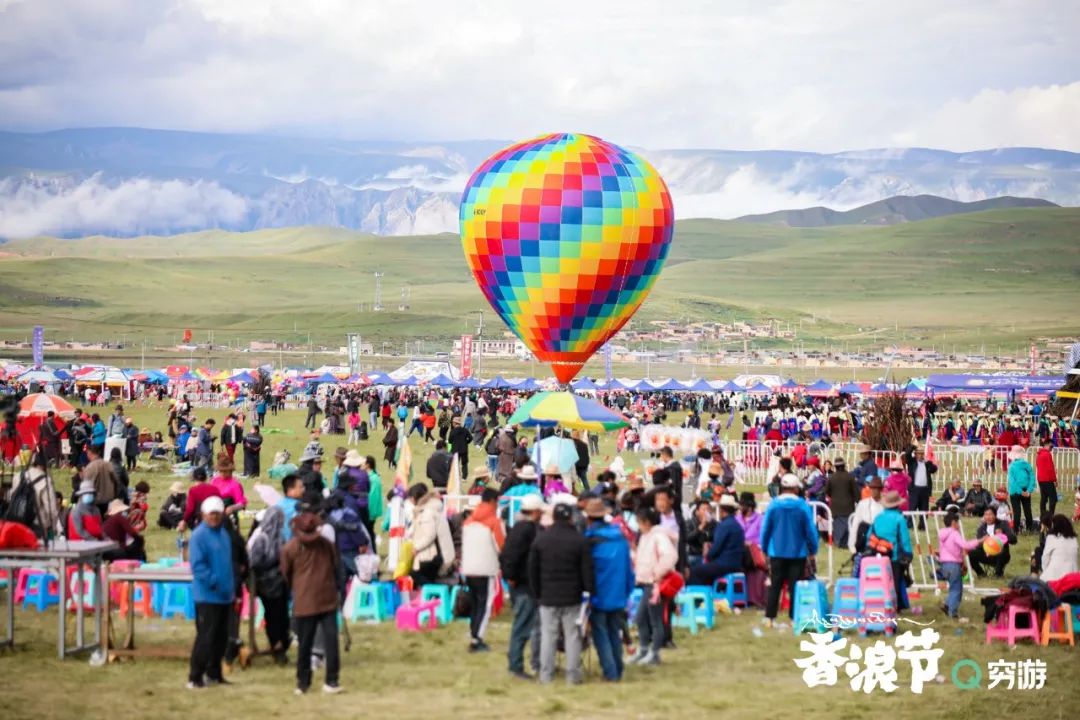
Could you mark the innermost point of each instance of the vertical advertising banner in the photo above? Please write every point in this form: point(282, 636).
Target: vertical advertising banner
point(1034, 359)
point(38, 346)
point(466, 356)
point(607, 361)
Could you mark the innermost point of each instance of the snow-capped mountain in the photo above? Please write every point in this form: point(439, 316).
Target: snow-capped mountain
point(125, 181)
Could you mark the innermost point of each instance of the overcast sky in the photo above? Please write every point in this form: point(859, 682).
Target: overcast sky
point(806, 74)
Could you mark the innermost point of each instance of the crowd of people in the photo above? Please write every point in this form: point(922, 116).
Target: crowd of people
point(575, 554)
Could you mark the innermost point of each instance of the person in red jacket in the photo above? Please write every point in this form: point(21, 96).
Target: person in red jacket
point(1046, 475)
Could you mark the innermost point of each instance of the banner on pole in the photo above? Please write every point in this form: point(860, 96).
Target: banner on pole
point(38, 346)
point(607, 361)
point(466, 356)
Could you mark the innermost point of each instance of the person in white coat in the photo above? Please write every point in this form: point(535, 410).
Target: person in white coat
point(866, 510)
point(1060, 553)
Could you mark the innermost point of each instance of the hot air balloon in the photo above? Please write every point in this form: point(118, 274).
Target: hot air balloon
point(565, 234)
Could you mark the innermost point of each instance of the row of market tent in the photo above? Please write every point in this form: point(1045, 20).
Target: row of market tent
point(965, 385)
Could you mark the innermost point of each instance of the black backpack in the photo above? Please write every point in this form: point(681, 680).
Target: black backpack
point(492, 446)
point(23, 507)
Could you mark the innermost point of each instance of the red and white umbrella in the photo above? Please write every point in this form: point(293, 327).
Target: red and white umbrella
point(40, 404)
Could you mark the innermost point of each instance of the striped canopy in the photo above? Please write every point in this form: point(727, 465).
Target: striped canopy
point(548, 409)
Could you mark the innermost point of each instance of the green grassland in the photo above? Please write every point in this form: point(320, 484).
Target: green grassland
point(998, 277)
point(725, 672)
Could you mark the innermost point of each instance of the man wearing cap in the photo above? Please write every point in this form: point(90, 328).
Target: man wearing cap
point(339, 460)
point(210, 551)
point(978, 499)
point(172, 510)
point(204, 447)
point(725, 554)
point(921, 471)
point(560, 577)
point(514, 562)
point(526, 484)
point(788, 536)
point(842, 491)
point(866, 511)
point(118, 528)
point(867, 469)
point(613, 582)
point(84, 520)
point(310, 473)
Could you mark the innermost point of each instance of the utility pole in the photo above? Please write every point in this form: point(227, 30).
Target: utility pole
point(378, 291)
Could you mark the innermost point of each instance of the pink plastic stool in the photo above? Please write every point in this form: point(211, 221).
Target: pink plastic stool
point(1005, 628)
point(408, 616)
point(114, 588)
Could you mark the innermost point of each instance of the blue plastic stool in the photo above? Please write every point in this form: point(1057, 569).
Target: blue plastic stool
point(732, 587)
point(82, 589)
point(811, 606)
point(42, 591)
point(846, 598)
point(391, 596)
point(1076, 619)
point(176, 601)
point(369, 604)
point(435, 591)
point(695, 606)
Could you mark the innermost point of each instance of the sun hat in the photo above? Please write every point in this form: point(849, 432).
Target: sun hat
point(1017, 453)
point(310, 454)
point(176, 488)
point(716, 468)
point(353, 458)
point(116, 506)
point(481, 472)
point(212, 504)
point(527, 472)
point(341, 453)
point(532, 503)
point(892, 499)
point(728, 501)
point(86, 487)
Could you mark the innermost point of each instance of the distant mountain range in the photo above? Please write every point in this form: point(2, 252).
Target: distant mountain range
point(891, 211)
point(130, 181)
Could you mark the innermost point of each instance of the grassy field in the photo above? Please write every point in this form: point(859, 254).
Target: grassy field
point(724, 672)
point(992, 278)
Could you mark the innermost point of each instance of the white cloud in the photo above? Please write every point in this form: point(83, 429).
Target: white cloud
point(36, 207)
point(750, 74)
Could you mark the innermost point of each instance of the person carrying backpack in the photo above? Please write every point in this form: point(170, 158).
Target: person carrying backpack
point(32, 501)
point(346, 515)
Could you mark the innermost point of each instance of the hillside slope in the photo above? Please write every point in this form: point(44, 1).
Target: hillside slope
point(891, 211)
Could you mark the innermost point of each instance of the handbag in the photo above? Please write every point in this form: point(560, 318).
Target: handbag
point(270, 584)
point(671, 584)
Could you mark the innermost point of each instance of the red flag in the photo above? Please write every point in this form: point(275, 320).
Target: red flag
point(187, 335)
point(930, 447)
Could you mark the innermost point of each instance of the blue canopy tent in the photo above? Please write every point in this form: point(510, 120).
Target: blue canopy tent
point(614, 384)
point(760, 389)
point(702, 385)
point(913, 389)
point(527, 385)
point(65, 375)
point(790, 384)
point(998, 383)
point(410, 381)
point(820, 386)
point(498, 383)
point(642, 385)
point(670, 385)
point(378, 378)
point(245, 377)
point(584, 384)
point(324, 379)
point(732, 386)
point(441, 380)
point(851, 388)
point(189, 377)
point(469, 383)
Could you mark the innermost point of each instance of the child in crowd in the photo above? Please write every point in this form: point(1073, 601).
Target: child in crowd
point(139, 506)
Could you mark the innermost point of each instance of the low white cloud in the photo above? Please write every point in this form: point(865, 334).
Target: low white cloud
point(31, 206)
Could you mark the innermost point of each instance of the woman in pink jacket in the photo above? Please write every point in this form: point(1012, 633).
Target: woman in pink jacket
point(656, 557)
point(899, 482)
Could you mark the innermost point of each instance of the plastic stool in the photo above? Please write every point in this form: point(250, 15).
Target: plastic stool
point(733, 588)
point(143, 602)
point(82, 588)
point(418, 616)
point(704, 604)
point(115, 588)
point(22, 576)
point(3, 578)
point(846, 598)
point(435, 591)
point(1006, 628)
point(40, 589)
point(1058, 625)
point(245, 607)
point(391, 596)
point(177, 601)
point(368, 604)
point(811, 606)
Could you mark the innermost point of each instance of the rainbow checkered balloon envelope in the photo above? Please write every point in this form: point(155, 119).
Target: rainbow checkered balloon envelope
point(565, 234)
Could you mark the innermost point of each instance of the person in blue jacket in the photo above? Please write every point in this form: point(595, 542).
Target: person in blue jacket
point(614, 581)
point(1021, 485)
point(725, 554)
point(213, 589)
point(891, 526)
point(788, 536)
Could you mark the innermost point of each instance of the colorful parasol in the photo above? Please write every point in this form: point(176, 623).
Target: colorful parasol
point(548, 409)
